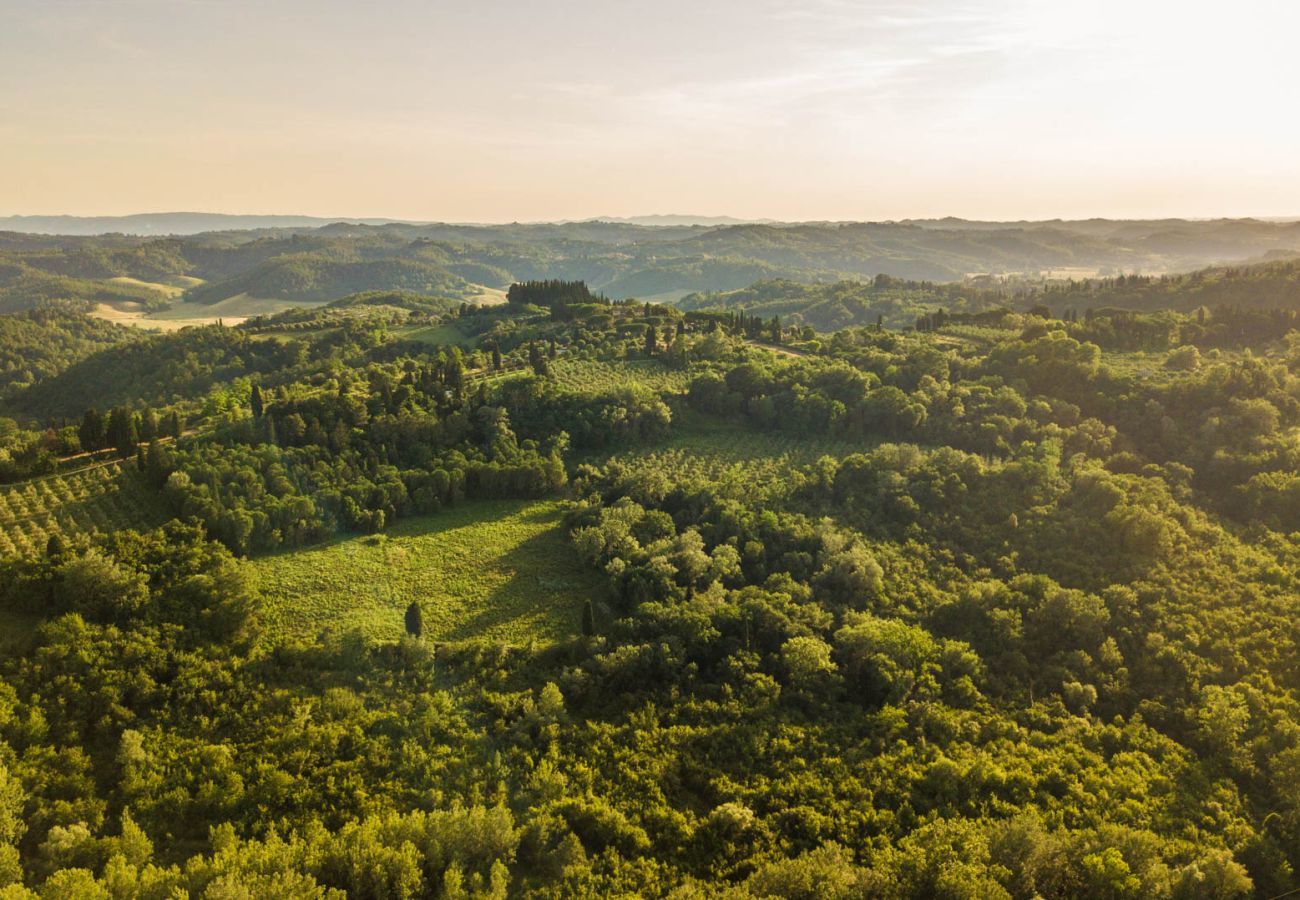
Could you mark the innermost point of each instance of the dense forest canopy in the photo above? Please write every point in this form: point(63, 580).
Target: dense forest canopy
point(870, 587)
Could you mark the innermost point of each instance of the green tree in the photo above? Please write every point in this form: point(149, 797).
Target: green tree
point(92, 431)
point(414, 620)
point(121, 430)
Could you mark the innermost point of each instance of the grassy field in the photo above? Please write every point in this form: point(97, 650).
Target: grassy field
point(99, 498)
point(499, 570)
point(488, 296)
point(167, 290)
point(445, 334)
point(181, 314)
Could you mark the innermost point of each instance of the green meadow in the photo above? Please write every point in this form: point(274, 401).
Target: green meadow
point(498, 570)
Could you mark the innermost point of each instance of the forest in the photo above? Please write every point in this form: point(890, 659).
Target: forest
point(844, 587)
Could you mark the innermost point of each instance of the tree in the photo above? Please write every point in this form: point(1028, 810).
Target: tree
point(588, 619)
point(174, 425)
point(538, 361)
point(651, 340)
point(91, 432)
point(148, 425)
point(496, 358)
point(414, 620)
point(255, 401)
point(121, 430)
point(157, 464)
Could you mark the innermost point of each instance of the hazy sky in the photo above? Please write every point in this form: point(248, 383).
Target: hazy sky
point(529, 109)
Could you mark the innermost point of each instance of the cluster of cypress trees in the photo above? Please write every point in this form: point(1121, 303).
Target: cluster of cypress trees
point(123, 429)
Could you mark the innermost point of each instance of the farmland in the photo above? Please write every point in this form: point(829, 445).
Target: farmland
point(100, 498)
point(443, 334)
point(586, 374)
point(498, 570)
point(739, 460)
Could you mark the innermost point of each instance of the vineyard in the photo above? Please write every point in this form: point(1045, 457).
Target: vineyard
point(743, 461)
point(593, 375)
point(103, 498)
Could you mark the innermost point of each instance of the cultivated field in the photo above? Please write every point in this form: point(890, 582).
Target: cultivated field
point(743, 461)
point(100, 498)
point(498, 570)
point(587, 374)
point(181, 314)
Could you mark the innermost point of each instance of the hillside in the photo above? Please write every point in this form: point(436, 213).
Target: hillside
point(39, 344)
point(567, 596)
point(844, 304)
point(317, 279)
point(1268, 285)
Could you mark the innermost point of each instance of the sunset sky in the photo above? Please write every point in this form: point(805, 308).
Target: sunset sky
point(500, 111)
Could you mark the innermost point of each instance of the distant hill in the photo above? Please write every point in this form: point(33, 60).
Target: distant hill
point(1269, 285)
point(1273, 284)
point(317, 278)
point(164, 223)
point(843, 304)
point(671, 220)
point(665, 261)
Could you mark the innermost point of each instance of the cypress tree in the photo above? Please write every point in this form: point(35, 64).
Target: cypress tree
point(148, 425)
point(121, 430)
point(414, 620)
point(588, 620)
point(255, 401)
point(91, 432)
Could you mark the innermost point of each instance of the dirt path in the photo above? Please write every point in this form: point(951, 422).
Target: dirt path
point(778, 349)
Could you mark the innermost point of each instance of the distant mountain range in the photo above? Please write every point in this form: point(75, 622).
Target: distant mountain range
point(687, 221)
point(184, 223)
point(297, 259)
point(164, 223)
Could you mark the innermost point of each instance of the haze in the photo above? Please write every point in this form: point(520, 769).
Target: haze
point(500, 111)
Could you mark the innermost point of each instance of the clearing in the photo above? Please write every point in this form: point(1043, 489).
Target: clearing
point(181, 314)
point(443, 335)
point(487, 296)
point(167, 290)
point(500, 570)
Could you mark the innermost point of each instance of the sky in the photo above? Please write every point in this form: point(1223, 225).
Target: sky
point(526, 110)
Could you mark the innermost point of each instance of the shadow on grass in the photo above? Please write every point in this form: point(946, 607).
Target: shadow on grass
point(543, 598)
